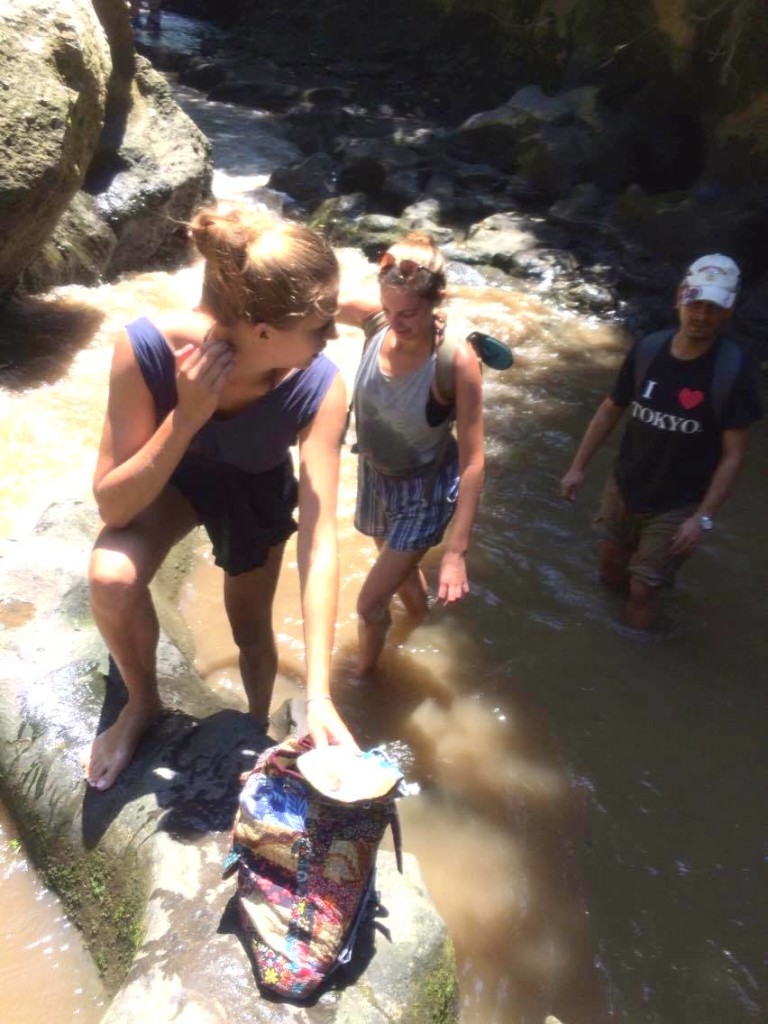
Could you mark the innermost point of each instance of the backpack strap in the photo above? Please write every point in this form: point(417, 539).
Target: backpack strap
point(499, 357)
point(647, 350)
point(726, 369)
point(397, 837)
point(445, 373)
point(445, 379)
point(445, 366)
point(372, 324)
point(727, 365)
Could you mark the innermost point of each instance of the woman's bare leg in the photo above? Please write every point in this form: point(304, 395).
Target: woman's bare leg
point(123, 563)
point(413, 591)
point(248, 599)
point(390, 571)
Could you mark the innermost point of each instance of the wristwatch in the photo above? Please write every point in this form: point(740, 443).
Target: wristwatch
point(706, 523)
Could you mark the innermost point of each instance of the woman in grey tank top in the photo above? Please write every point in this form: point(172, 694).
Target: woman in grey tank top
point(202, 410)
point(414, 477)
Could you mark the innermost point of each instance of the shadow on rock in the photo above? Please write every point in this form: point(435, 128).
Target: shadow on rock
point(139, 866)
point(40, 337)
point(190, 765)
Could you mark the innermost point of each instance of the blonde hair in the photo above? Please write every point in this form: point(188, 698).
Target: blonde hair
point(259, 268)
point(415, 263)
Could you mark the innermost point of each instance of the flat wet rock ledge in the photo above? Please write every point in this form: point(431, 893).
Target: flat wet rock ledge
point(139, 866)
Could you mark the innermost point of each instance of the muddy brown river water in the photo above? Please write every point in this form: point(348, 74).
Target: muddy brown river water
point(592, 819)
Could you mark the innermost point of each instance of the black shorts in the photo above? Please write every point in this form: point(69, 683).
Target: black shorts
point(244, 514)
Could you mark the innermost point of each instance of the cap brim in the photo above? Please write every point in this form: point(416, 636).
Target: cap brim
point(723, 297)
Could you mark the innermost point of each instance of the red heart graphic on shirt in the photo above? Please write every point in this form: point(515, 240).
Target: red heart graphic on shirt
point(690, 399)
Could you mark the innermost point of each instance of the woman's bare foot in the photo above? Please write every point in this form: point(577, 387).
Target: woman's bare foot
point(112, 750)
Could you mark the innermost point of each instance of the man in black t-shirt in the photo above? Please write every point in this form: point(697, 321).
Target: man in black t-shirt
point(691, 395)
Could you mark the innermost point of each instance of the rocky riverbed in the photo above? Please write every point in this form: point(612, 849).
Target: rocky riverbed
point(549, 188)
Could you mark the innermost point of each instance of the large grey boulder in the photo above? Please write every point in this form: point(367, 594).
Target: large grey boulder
point(551, 142)
point(54, 69)
point(496, 240)
point(496, 135)
point(115, 18)
point(78, 252)
point(152, 166)
point(139, 866)
point(306, 181)
point(101, 167)
point(263, 93)
point(163, 172)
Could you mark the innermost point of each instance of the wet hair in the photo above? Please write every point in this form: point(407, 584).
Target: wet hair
point(415, 263)
point(259, 268)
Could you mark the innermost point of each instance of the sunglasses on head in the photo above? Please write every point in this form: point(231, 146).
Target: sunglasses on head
point(491, 351)
point(405, 272)
point(405, 266)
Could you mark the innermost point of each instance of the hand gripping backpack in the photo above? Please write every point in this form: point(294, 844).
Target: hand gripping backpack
point(304, 842)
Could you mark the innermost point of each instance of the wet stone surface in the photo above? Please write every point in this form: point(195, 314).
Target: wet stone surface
point(139, 866)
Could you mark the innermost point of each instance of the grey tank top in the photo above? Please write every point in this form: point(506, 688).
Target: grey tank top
point(390, 414)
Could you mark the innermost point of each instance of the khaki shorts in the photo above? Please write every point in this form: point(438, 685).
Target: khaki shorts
point(647, 535)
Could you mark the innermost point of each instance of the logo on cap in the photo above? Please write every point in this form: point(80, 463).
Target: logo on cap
point(711, 273)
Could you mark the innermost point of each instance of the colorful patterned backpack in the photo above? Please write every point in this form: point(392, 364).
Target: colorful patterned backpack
point(305, 853)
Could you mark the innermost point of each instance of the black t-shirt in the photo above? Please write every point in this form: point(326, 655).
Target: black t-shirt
point(673, 441)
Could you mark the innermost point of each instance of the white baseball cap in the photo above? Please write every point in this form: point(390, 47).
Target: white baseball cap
point(712, 278)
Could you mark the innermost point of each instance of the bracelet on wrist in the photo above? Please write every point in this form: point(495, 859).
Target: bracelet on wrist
point(310, 699)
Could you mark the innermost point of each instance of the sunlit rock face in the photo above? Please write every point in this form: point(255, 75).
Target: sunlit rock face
point(138, 867)
point(101, 166)
point(148, 186)
point(54, 71)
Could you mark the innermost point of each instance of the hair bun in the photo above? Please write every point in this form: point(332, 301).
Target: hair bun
point(259, 267)
point(216, 234)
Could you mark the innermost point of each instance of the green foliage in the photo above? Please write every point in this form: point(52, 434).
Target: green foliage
point(98, 887)
point(106, 905)
point(437, 1000)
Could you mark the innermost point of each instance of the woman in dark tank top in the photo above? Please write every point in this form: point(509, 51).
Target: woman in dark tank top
point(203, 407)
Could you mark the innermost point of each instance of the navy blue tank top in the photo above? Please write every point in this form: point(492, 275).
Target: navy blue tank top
point(256, 438)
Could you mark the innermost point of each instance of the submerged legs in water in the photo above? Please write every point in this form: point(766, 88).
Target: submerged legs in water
point(612, 563)
point(642, 599)
point(394, 572)
point(413, 593)
point(640, 609)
